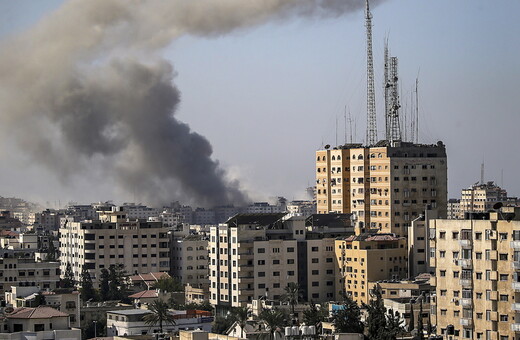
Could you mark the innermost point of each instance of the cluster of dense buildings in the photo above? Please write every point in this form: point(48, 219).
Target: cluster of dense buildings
point(380, 219)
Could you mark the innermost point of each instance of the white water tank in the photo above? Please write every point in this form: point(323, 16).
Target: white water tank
point(295, 330)
point(288, 331)
point(312, 330)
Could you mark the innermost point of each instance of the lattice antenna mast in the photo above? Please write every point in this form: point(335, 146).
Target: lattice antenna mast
point(386, 87)
point(395, 105)
point(371, 98)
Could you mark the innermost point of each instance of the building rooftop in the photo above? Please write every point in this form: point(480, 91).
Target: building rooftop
point(373, 237)
point(264, 219)
point(130, 311)
point(144, 294)
point(154, 276)
point(41, 312)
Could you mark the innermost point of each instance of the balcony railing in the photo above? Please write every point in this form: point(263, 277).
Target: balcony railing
point(515, 265)
point(466, 322)
point(516, 286)
point(515, 244)
point(515, 327)
point(465, 302)
point(465, 263)
point(465, 243)
point(467, 283)
point(515, 307)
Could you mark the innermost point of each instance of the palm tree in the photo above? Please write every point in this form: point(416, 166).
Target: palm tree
point(273, 319)
point(159, 314)
point(241, 315)
point(292, 295)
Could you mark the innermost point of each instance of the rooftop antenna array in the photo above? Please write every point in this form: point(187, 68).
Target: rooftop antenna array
point(392, 104)
point(371, 98)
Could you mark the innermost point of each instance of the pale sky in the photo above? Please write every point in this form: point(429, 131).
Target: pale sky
point(268, 97)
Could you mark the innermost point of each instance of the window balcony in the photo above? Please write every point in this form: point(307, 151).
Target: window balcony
point(515, 265)
point(465, 302)
point(515, 327)
point(466, 244)
point(466, 322)
point(515, 307)
point(515, 244)
point(516, 286)
point(468, 283)
point(465, 263)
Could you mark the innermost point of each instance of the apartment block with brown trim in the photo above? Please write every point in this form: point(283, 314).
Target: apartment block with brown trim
point(477, 266)
point(385, 186)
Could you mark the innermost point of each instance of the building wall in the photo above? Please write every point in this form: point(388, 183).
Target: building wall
point(386, 187)
point(141, 247)
point(361, 262)
point(477, 278)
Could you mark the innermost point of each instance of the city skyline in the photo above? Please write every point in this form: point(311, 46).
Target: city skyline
point(294, 77)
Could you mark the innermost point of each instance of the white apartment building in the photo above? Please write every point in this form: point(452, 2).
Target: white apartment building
point(139, 246)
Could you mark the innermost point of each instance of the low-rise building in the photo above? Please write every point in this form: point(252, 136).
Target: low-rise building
point(367, 258)
point(130, 322)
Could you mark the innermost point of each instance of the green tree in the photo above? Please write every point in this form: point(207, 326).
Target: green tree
point(52, 252)
point(273, 319)
point(292, 295)
point(117, 289)
point(160, 314)
point(411, 322)
point(348, 319)
point(394, 324)
point(168, 284)
point(376, 319)
point(241, 315)
point(104, 285)
point(315, 314)
point(68, 279)
point(39, 300)
point(420, 326)
point(221, 324)
point(87, 288)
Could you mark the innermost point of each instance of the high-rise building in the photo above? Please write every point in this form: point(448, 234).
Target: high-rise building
point(256, 256)
point(139, 246)
point(477, 267)
point(385, 186)
point(481, 197)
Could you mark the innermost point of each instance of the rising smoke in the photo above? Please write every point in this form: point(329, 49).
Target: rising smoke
point(86, 90)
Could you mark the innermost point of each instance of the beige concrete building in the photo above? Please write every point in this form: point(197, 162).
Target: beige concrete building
point(386, 187)
point(481, 197)
point(256, 256)
point(366, 258)
point(477, 275)
point(419, 244)
point(189, 260)
point(140, 246)
point(19, 268)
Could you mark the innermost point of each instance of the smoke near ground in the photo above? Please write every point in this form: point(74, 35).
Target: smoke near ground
point(86, 90)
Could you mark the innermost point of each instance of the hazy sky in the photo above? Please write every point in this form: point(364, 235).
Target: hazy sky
point(268, 97)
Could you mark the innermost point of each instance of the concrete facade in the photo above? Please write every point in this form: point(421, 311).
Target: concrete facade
point(385, 187)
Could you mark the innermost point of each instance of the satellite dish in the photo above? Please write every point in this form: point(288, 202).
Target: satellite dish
point(498, 205)
point(327, 147)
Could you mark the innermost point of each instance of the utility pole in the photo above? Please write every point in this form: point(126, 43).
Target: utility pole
point(371, 98)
